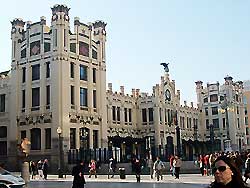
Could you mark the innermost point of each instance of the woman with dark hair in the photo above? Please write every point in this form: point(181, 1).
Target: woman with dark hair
point(226, 174)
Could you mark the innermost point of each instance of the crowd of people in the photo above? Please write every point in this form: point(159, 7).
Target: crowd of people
point(40, 168)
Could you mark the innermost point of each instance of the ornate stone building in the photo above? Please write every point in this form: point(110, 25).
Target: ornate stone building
point(58, 80)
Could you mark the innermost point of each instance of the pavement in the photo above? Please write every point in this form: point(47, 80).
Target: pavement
point(184, 178)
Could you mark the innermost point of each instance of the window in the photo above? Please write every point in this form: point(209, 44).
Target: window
point(130, 115)
point(246, 120)
point(216, 123)
point(94, 75)
point(238, 123)
point(224, 123)
point(36, 97)
point(3, 132)
point(205, 100)
point(206, 111)
point(113, 113)
point(83, 49)
point(237, 97)
point(83, 73)
point(83, 97)
point(118, 114)
point(125, 114)
point(23, 134)
point(46, 47)
point(73, 47)
point(35, 139)
point(144, 115)
point(35, 72)
point(237, 110)
point(24, 74)
point(247, 131)
point(47, 69)
point(214, 110)
point(72, 95)
point(3, 148)
point(95, 139)
point(72, 72)
point(72, 138)
point(151, 114)
point(207, 124)
point(48, 138)
point(94, 54)
point(48, 95)
point(94, 98)
point(23, 53)
point(213, 98)
point(160, 114)
point(2, 103)
point(35, 48)
point(23, 98)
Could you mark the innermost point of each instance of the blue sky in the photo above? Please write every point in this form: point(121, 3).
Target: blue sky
point(202, 40)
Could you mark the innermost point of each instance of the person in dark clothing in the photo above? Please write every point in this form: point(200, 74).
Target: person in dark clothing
point(137, 168)
point(78, 173)
point(226, 174)
point(45, 169)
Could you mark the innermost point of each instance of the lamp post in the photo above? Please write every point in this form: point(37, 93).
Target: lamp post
point(178, 133)
point(227, 141)
point(60, 153)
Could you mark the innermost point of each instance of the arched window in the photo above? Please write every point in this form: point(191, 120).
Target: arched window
point(3, 132)
point(35, 139)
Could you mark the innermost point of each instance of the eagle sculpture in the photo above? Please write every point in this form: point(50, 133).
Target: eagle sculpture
point(165, 65)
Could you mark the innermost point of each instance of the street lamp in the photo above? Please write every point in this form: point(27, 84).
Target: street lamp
point(178, 133)
point(60, 153)
point(224, 109)
point(211, 128)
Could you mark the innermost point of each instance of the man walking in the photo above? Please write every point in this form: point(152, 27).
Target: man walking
point(158, 168)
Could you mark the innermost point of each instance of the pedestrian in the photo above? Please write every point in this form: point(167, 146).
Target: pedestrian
point(247, 170)
point(40, 169)
point(45, 169)
point(150, 166)
point(138, 167)
point(112, 167)
point(172, 169)
point(158, 168)
point(92, 170)
point(226, 174)
point(177, 165)
point(78, 173)
point(33, 170)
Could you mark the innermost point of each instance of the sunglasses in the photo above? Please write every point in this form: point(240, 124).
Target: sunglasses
point(220, 169)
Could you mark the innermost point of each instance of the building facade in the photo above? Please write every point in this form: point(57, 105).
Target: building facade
point(246, 101)
point(57, 82)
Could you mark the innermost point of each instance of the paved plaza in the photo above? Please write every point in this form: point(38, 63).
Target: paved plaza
point(187, 180)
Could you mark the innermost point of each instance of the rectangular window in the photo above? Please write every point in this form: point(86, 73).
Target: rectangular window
point(213, 98)
point(83, 73)
point(83, 97)
point(24, 74)
point(224, 123)
point(214, 110)
point(125, 114)
point(35, 72)
point(246, 120)
point(48, 95)
point(95, 138)
point(73, 47)
point(207, 124)
point(23, 53)
point(94, 98)
point(36, 97)
point(94, 54)
point(23, 134)
point(118, 114)
point(113, 113)
point(151, 114)
point(72, 72)
point(2, 103)
point(83, 49)
point(94, 75)
point(130, 115)
point(238, 123)
point(35, 48)
point(206, 111)
point(48, 138)
point(216, 123)
point(205, 100)
point(144, 115)
point(65, 39)
point(47, 69)
point(247, 131)
point(72, 95)
point(160, 114)
point(23, 98)
point(72, 138)
point(46, 47)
